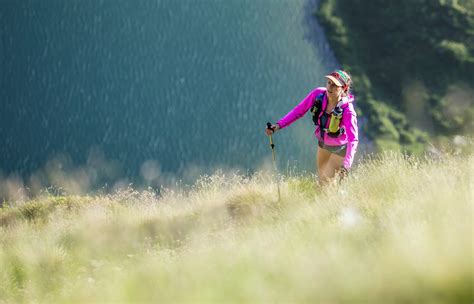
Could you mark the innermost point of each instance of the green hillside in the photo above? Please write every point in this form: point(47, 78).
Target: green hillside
point(412, 64)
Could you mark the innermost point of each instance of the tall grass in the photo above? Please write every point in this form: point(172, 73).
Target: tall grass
point(399, 229)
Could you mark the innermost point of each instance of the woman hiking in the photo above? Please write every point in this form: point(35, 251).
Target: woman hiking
point(336, 125)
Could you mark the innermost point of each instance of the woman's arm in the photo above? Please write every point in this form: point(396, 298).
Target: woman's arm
point(349, 120)
point(300, 110)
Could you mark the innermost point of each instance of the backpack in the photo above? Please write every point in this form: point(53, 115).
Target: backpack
point(316, 110)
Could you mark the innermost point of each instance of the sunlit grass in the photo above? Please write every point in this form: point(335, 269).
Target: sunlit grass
point(398, 229)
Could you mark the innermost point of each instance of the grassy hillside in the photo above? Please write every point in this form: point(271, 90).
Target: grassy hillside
point(398, 229)
point(412, 63)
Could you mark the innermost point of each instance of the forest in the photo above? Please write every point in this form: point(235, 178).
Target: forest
point(412, 64)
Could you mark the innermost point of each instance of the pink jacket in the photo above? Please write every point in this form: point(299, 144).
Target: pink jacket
point(348, 122)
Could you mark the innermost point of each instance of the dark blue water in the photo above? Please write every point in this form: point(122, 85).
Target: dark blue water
point(176, 84)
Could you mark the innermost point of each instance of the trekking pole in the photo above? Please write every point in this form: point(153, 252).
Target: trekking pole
point(269, 126)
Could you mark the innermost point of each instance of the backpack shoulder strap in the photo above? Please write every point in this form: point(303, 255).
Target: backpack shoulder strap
point(320, 98)
point(317, 107)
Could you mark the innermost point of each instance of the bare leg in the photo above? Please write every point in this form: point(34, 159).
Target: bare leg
point(334, 165)
point(328, 165)
point(322, 161)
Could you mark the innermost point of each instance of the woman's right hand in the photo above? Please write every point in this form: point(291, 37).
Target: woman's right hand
point(270, 130)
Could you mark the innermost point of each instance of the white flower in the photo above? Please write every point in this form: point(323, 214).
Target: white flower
point(349, 217)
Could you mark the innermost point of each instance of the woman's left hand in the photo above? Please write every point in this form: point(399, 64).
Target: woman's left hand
point(343, 172)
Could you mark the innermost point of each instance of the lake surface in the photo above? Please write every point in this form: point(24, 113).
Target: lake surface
point(172, 86)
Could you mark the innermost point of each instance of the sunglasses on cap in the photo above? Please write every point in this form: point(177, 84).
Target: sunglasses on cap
point(338, 74)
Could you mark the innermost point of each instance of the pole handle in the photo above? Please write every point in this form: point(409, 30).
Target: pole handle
point(269, 126)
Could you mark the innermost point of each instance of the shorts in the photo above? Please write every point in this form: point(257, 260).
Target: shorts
point(338, 150)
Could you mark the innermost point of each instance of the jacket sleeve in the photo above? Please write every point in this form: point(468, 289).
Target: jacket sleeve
point(300, 110)
point(349, 120)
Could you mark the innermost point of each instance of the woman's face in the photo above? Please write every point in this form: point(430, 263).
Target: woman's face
point(334, 90)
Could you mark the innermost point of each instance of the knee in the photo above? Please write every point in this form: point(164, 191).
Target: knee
point(327, 174)
point(323, 173)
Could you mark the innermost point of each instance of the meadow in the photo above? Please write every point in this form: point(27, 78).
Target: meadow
point(398, 229)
